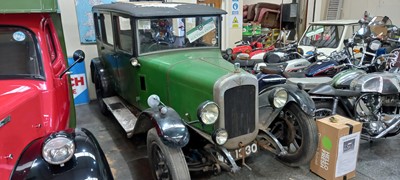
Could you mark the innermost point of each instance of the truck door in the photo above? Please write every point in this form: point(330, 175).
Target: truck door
point(59, 91)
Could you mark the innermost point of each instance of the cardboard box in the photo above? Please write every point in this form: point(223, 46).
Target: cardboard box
point(338, 143)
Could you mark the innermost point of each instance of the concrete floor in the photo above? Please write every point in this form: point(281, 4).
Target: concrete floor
point(128, 158)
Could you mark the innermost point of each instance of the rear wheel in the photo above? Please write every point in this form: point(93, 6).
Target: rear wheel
point(324, 109)
point(167, 162)
point(297, 132)
point(100, 95)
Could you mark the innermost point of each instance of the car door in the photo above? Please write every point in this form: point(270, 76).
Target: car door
point(107, 48)
point(124, 49)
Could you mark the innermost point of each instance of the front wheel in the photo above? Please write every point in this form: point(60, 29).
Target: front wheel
point(297, 132)
point(167, 162)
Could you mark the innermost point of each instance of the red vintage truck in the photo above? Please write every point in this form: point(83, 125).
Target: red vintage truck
point(37, 135)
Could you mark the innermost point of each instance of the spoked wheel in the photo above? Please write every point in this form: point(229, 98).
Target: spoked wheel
point(297, 132)
point(324, 109)
point(167, 162)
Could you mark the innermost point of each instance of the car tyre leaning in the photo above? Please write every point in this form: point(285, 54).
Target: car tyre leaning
point(167, 162)
point(324, 109)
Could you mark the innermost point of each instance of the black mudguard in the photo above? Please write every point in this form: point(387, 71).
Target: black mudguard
point(169, 125)
point(267, 113)
point(88, 162)
point(99, 73)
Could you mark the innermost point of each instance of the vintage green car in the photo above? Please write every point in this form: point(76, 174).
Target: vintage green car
point(211, 112)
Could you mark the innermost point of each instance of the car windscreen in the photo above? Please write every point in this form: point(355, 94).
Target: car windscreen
point(160, 34)
point(18, 54)
point(322, 36)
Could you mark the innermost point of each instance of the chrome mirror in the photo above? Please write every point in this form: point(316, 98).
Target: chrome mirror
point(134, 62)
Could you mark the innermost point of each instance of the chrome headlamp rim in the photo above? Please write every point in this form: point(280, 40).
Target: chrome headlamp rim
point(55, 140)
point(229, 51)
point(220, 136)
point(279, 93)
point(202, 109)
point(375, 45)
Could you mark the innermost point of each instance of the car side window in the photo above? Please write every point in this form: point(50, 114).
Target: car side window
point(109, 39)
point(97, 22)
point(124, 32)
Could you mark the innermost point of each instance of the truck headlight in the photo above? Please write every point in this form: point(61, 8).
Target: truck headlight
point(58, 150)
point(208, 112)
point(279, 97)
point(220, 136)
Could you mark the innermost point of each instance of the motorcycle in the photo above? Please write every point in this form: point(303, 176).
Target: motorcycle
point(371, 98)
point(253, 50)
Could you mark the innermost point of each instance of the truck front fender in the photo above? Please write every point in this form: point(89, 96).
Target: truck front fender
point(169, 125)
point(88, 161)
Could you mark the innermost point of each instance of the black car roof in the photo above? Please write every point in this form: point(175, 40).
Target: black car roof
point(158, 9)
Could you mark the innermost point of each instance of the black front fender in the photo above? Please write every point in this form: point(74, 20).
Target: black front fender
point(88, 162)
point(295, 95)
point(169, 125)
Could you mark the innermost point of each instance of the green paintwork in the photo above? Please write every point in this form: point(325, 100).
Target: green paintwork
point(30, 6)
point(348, 74)
point(182, 78)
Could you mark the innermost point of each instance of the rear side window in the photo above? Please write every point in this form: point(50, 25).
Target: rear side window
point(19, 57)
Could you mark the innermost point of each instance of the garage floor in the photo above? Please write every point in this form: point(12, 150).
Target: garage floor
point(128, 158)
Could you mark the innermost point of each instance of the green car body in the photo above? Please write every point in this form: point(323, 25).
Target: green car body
point(144, 52)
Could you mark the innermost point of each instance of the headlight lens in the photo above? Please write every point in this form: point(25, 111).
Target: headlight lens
point(220, 136)
point(280, 98)
point(375, 45)
point(58, 150)
point(208, 112)
point(229, 51)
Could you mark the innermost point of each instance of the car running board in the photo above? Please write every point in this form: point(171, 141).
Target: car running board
point(123, 115)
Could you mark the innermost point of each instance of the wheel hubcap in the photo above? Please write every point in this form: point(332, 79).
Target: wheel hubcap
point(288, 132)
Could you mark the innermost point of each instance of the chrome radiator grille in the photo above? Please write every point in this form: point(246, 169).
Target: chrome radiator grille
point(240, 107)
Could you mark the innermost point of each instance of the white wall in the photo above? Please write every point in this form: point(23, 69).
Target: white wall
point(354, 9)
point(72, 41)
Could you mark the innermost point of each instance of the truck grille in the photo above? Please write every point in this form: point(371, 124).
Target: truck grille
point(240, 110)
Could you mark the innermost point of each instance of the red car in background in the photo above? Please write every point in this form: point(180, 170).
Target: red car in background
point(36, 141)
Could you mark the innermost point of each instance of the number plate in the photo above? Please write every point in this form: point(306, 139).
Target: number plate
point(248, 150)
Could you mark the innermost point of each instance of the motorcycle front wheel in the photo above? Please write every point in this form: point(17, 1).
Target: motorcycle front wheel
point(297, 132)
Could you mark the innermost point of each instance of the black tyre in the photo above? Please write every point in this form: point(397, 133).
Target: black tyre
point(100, 95)
point(324, 109)
point(297, 132)
point(167, 162)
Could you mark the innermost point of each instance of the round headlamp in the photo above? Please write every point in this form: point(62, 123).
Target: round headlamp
point(375, 45)
point(58, 150)
point(279, 98)
point(229, 51)
point(220, 136)
point(208, 112)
